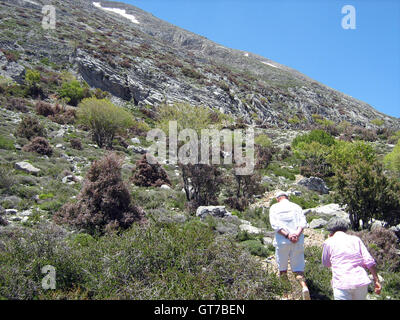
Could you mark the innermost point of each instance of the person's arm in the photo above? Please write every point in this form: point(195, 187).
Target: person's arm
point(326, 257)
point(369, 262)
point(378, 286)
point(301, 222)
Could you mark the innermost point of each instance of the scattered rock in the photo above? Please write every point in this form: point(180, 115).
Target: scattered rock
point(135, 149)
point(376, 225)
point(27, 167)
point(11, 212)
point(250, 229)
point(214, 211)
point(227, 228)
point(329, 211)
point(317, 223)
point(11, 202)
point(267, 179)
point(314, 184)
point(166, 187)
point(267, 241)
point(135, 140)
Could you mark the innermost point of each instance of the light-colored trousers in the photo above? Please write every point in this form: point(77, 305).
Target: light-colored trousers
point(359, 293)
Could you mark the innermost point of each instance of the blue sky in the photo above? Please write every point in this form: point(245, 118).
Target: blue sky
point(306, 35)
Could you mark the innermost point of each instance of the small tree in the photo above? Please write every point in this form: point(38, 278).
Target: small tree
point(32, 81)
point(149, 175)
point(245, 187)
point(368, 193)
point(73, 92)
point(313, 157)
point(104, 203)
point(201, 183)
point(104, 119)
point(264, 151)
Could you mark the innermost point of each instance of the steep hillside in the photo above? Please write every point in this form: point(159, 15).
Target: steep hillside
point(138, 57)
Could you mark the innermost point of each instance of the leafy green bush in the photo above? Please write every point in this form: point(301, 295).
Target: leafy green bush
point(160, 261)
point(186, 116)
point(6, 178)
point(344, 154)
point(391, 286)
point(304, 203)
point(32, 81)
point(104, 119)
point(255, 247)
point(368, 194)
point(24, 252)
point(317, 276)
point(319, 136)
point(313, 158)
point(392, 160)
point(73, 92)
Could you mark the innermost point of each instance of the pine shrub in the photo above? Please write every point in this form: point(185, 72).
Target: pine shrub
point(30, 127)
point(149, 175)
point(39, 145)
point(104, 203)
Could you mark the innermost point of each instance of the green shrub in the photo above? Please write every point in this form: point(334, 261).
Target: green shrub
point(392, 160)
point(32, 81)
point(391, 286)
point(368, 194)
point(345, 154)
point(263, 140)
point(159, 261)
point(104, 119)
point(6, 178)
point(319, 136)
point(255, 247)
point(186, 116)
point(378, 122)
point(317, 276)
point(312, 202)
point(24, 252)
point(73, 92)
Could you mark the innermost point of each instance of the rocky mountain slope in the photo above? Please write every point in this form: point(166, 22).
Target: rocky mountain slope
point(137, 57)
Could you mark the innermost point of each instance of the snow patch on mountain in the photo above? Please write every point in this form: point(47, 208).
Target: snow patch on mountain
point(269, 64)
point(121, 12)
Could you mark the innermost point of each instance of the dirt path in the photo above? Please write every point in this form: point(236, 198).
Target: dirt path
point(312, 238)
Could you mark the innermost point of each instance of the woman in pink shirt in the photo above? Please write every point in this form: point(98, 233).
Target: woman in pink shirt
point(348, 257)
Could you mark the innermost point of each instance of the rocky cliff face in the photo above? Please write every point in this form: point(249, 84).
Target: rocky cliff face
point(137, 57)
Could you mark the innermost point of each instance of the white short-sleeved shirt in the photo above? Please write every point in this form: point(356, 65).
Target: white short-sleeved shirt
point(288, 216)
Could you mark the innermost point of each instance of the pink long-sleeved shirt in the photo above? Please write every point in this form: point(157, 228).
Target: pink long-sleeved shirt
point(348, 257)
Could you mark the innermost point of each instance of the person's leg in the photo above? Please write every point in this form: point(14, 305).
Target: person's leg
point(298, 264)
point(282, 259)
point(360, 293)
point(342, 294)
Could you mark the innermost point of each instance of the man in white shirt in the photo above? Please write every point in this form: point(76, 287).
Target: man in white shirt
point(288, 221)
